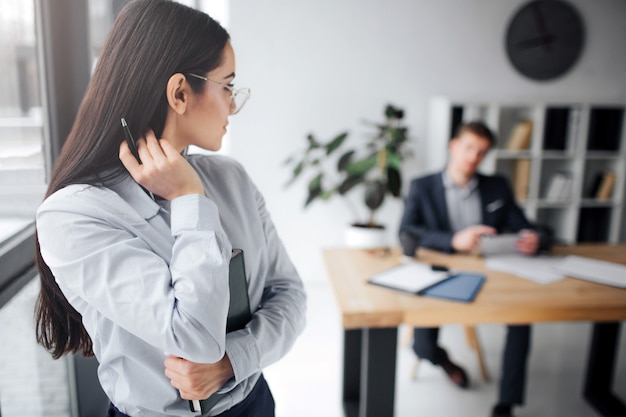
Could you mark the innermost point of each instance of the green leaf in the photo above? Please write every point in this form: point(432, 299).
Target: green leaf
point(296, 173)
point(344, 160)
point(394, 181)
point(312, 195)
point(312, 142)
point(375, 194)
point(316, 183)
point(335, 143)
point(349, 183)
point(389, 110)
point(325, 195)
point(392, 112)
point(398, 136)
point(362, 166)
point(393, 160)
point(298, 169)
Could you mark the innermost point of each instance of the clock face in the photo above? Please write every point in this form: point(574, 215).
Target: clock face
point(544, 39)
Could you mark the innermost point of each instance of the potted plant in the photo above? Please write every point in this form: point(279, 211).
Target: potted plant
point(373, 166)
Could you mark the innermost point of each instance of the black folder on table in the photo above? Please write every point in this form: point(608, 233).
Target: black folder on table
point(238, 315)
point(461, 286)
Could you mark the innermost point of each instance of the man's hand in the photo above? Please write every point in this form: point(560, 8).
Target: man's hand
point(163, 171)
point(197, 381)
point(528, 242)
point(468, 239)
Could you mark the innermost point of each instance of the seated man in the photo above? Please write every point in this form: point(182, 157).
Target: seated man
point(449, 211)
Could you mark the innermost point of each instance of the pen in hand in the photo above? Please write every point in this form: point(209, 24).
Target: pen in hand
point(130, 141)
point(133, 149)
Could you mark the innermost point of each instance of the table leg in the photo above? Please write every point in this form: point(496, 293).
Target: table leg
point(600, 369)
point(351, 371)
point(369, 372)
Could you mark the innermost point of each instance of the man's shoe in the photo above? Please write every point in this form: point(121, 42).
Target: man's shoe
point(501, 410)
point(456, 374)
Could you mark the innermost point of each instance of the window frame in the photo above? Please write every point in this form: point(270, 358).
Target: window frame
point(63, 67)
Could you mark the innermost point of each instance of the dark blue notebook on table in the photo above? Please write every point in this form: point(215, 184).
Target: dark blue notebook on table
point(461, 286)
point(238, 316)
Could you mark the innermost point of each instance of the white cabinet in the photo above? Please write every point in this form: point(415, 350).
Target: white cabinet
point(567, 174)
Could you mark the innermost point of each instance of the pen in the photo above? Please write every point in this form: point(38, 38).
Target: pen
point(196, 405)
point(130, 140)
point(133, 149)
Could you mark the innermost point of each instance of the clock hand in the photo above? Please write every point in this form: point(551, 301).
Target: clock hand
point(542, 24)
point(546, 40)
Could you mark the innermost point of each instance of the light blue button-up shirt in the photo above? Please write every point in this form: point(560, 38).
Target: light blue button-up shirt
point(151, 279)
point(463, 203)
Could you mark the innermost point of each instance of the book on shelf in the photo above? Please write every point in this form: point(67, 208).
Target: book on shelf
point(556, 128)
point(601, 188)
point(560, 187)
point(605, 127)
point(593, 188)
point(560, 128)
point(238, 316)
point(605, 188)
point(521, 179)
point(519, 138)
point(593, 224)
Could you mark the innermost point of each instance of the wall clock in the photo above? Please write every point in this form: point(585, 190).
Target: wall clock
point(545, 38)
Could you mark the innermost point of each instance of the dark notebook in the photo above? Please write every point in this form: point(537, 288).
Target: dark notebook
point(238, 315)
point(462, 286)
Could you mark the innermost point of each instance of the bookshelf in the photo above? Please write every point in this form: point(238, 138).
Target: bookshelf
point(566, 161)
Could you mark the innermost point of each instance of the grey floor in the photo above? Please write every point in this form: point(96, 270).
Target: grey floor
point(307, 382)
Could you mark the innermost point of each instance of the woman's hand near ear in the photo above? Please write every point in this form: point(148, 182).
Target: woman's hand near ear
point(164, 171)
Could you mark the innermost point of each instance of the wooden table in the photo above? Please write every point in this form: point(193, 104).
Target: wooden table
point(371, 315)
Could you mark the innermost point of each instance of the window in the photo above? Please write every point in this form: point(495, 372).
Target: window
point(22, 135)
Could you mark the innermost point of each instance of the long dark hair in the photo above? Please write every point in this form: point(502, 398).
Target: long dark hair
point(149, 42)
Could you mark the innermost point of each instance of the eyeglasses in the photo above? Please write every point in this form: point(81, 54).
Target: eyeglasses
point(238, 96)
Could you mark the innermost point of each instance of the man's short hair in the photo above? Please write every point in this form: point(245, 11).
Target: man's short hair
point(478, 128)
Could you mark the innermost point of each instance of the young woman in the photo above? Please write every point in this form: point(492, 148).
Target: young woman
point(134, 256)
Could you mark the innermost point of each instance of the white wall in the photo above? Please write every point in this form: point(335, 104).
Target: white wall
point(326, 65)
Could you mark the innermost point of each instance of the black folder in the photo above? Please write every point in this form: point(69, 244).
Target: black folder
point(238, 315)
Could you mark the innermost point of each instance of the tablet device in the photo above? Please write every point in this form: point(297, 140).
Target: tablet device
point(498, 244)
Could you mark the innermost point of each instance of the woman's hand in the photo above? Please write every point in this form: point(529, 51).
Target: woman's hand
point(164, 171)
point(197, 381)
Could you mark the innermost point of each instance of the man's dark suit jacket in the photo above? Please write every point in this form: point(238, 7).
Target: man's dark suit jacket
point(426, 214)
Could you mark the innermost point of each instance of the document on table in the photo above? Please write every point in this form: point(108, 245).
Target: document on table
point(602, 272)
point(410, 277)
point(541, 269)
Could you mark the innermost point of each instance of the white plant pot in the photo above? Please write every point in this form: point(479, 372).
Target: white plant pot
point(366, 237)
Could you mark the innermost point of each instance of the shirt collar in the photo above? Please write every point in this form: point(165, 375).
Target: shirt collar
point(136, 197)
point(448, 184)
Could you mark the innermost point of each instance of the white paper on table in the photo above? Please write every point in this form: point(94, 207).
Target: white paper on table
point(602, 272)
point(411, 277)
point(540, 269)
